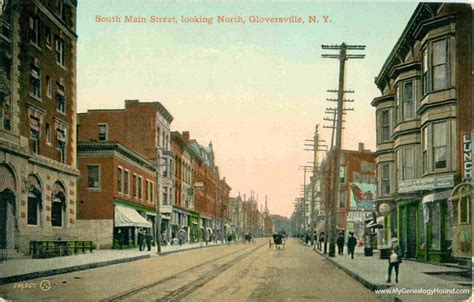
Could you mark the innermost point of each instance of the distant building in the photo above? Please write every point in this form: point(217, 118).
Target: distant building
point(37, 122)
point(357, 191)
point(424, 134)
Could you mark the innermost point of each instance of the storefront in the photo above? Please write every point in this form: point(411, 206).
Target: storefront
point(127, 222)
point(460, 203)
point(423, 226)
point(194, 228)
point(435, 236)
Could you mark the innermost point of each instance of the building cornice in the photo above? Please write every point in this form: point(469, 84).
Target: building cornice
point(422, 12)
point(384, 98)
point(88, 147)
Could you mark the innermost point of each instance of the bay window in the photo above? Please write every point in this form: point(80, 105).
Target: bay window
point(435, 69)
point(385, 125)
point(440, 145)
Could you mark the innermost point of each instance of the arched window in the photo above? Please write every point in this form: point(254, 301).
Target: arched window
point(35, 204)
point(58, 205)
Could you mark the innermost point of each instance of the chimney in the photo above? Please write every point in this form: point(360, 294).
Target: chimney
point(361, 147)
point(186, 136)
point(130, 102)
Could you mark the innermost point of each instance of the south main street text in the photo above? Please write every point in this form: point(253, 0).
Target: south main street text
point(213, 20)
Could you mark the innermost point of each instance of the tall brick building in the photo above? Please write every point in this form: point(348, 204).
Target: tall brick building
point(141, 128)
point(37, 122)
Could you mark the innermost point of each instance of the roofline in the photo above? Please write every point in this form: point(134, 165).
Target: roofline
point(83, 147)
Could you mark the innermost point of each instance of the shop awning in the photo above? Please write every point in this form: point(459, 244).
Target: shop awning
point(436, 196)
point(128, 217)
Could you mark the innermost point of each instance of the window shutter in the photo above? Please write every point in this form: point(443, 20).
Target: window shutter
point(378, 127)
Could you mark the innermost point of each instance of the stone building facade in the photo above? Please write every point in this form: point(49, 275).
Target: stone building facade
point(424, 116)
point(37, 122)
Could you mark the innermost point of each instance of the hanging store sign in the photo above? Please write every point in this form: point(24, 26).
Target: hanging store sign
point(426, 184)
point(467, 157)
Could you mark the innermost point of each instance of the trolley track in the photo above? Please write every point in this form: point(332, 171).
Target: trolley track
point(190, 287)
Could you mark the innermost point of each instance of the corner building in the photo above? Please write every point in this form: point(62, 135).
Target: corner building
point(424, 117)
point(37, 122)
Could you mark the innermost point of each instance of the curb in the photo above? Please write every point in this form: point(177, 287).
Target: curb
point(64, 270)
point(366, 283)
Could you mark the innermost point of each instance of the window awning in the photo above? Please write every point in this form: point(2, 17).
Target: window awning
point(128, 217)
point(436, 196)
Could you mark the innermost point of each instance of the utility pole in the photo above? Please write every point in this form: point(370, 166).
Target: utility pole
point(158, 212)
point(343, 57)
point(316, 143)
point(304, 168)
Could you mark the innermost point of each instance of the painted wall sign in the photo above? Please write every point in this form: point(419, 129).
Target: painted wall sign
point(467, 156)
point(363, 195)
point(426, 184)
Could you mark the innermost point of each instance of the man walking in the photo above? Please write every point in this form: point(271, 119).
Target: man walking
point(340, 244)
point(351, 244)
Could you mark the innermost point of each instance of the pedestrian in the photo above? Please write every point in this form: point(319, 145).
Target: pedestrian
point(394, 260)
point(120, 238)
point(321, 240)
point(148, 241)
point(141, 240)
point(351, 244)
point(340, 244)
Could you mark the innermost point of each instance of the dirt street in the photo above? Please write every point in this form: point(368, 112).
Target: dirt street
point(234, 272)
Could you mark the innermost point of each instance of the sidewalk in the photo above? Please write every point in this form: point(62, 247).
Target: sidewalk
point(372, 273)
point(26, 268)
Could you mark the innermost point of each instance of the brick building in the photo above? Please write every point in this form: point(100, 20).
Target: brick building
point(116, 192)
point(37, 122)
point(150, 138)
point(357, 188)
point(424, 134)
point(212, 199)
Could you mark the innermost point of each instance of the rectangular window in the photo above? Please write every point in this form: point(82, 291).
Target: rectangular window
point(385, 125)
point(33, 210)
point(158, 136)
point(440, 145)
point(147, 190)
point(48, 133)
point(35, 81)
point(119, 180)
point(165, 196)
point(399, 100)
point(439, 68)
point(103, 132)
point(126, 182)
point(93, 176)
point(425, 149)
point(60, 98)
point(408, 101)
point(385, 179)
point(35, 132)
point(140, 187)
point(425, 72)
point(34, 27)
point(408, 168)
point(165, 169)
point(61, 140)
point(152, 191)
point(59, 48)
point(134, 186)
point(48, 37)
point(49, 89)
point(465, 209)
